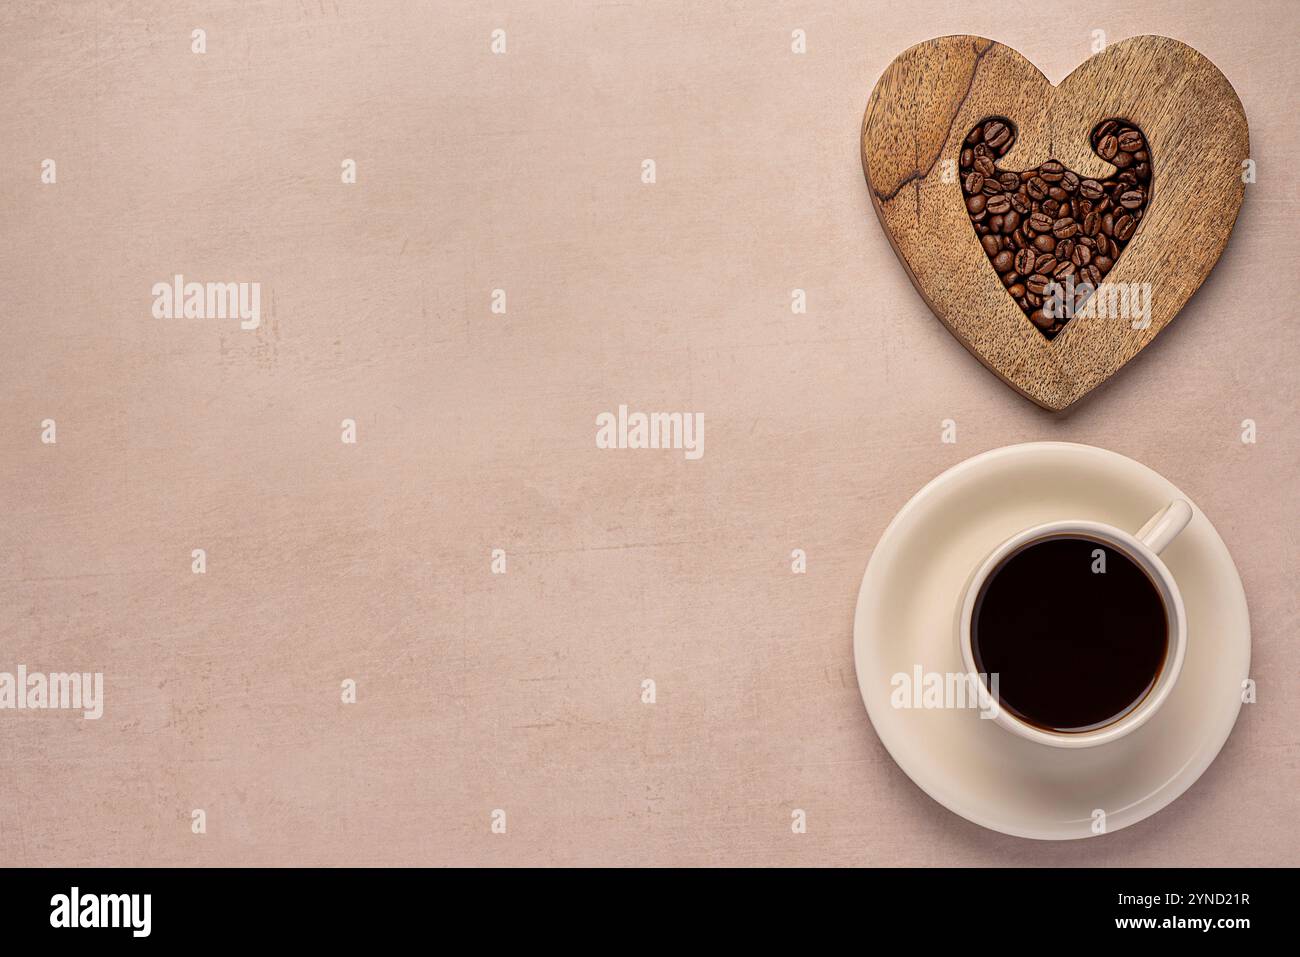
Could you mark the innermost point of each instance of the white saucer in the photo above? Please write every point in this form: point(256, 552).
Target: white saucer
point(906, 616)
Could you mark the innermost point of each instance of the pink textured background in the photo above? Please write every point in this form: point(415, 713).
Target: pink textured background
point(371, 561)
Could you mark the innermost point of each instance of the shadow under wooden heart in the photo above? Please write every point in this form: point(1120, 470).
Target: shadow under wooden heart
point(933, 94)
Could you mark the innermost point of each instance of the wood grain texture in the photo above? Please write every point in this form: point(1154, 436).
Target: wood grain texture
point(931, 96)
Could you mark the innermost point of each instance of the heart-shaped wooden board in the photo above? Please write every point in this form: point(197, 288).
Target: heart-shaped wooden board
point(916, 125)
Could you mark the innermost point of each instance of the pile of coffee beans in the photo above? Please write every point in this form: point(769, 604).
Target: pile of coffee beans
point(1049, 224)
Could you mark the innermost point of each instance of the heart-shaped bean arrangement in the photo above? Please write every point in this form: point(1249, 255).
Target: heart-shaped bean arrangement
point(1047, 230)
point(1151, 127)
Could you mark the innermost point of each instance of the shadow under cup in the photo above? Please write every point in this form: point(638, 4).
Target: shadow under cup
point(1075, 629)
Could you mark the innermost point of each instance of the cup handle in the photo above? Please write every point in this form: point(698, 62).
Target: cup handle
point(1163, 527)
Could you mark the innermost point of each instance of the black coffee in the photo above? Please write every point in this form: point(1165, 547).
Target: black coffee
point(1075, 648)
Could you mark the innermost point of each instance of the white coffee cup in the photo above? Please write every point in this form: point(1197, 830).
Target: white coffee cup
point(1144, 548)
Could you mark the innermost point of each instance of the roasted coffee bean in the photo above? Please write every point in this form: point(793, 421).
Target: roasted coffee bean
point(1040, 222)
point(1064, 228)
point(1047, 225)
point(1091, 189)
point(996, 134)
point(1130, 141)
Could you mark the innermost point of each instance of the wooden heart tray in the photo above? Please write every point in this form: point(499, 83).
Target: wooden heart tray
point(1134, 163)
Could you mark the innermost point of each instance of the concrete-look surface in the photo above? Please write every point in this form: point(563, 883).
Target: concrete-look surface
point(475, 430)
